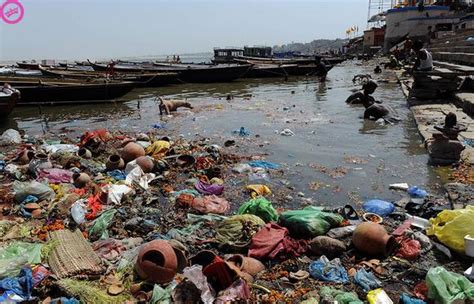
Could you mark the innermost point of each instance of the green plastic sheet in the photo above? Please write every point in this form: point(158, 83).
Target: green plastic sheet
point(98, 229)
point(260, 207)
point(309, 222)
point(331, 295)
point(16, 255)
point(448, 287)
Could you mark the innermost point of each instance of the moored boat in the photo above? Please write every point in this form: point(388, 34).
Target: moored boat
point(8, 99)
point(28, 65)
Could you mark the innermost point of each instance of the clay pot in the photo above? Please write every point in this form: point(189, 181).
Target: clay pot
point(181, 258)
point(40, 161)
point(81, 179)
point(157, 262)
point(146, 163)
point(185, 160)
point(132, 151)
point(36, 213)
point(32, 206)
point(372, 239)
point(84, 153)
point(203, 258)
point(114, 162)
point(247, 264)
point(25, 157)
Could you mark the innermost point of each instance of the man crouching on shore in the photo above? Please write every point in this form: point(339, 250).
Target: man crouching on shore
point(169, 106)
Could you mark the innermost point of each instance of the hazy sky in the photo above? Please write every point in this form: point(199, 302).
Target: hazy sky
point(97, 29)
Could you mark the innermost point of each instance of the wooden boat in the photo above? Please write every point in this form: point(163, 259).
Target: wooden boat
point(51, 92)
point(8, 99)
point(28, 65)
point(141, 79)
point(187, 73)
point(285, 70)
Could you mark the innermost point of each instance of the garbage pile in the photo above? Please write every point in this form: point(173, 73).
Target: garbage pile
point(142, 218)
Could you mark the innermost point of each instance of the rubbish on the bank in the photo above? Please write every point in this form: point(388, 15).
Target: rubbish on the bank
point(373, 239)
point(382, 208)
point(372, 217)
point(55, 176)
point(132, 151)
point(158, 149)
point(21, 285)
point(409, 249)
point(196, 276)
point(399, 186)
point(17, 254)
point(162, 295)
point(157, 262)
point(402, 228)
point(84, 153)
point(247, 264)
point(259, 176)
point(258, 190)
point(208, 189)
point(238, 291)
point(10, 137)
point(448, 287)
point(419, 222)
point(332, 295)
point(366, 280)
point(341, 232)
point(287, 132)
point(349, 213)
point(98, 230)
point(423, 239)
point(406, 299)
point(137, 177)
point(231, 231)
point(60, 148)
point(116, 192)
point(39, 274)
point(241, 168)
point(324, 245)
point(210, 204)
point(469, 250)
point(263, 164)
point(260, 207)
point(378, 296)
point(185, 160)
point(328, 271)
point(241, 132)
point(40, 161)
point(72, 255)
point(80, 180)
point(416, 192)
point(221, 274)
point(37, 189)
point(300, 275)
point(451, 226)
point(114, 162)
point(87, 292)
point(78, 211)
point(273, 241)
point(309, 222)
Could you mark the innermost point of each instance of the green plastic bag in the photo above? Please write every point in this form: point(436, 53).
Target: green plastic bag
point(260, 207)
point(16, 255)
point(238, 230)
point(451, 226)
point(309, 222)
point(98, 230)
point(331, 295)
point(447, 287)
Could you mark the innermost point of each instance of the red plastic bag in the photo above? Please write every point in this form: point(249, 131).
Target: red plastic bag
point(409, 249)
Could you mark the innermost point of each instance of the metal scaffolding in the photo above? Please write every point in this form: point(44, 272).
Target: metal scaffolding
point(379, 6)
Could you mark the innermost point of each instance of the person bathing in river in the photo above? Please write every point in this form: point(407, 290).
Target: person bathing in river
point(377, 111)
point(363, 97)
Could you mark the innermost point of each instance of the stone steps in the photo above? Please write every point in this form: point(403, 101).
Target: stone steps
point(461, 58)
point(453, 37)
point(464, 69)
point(453, 49)
point(452, 44)
point(466, 102)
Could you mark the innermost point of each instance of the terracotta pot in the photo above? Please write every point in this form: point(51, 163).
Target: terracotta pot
point(203, 258)
point(146, 163)
point(40, 161)
point(114, 162)
point(372, 239)
point(247, 264)
point(80, 180)
point(181, 258)
point(132, 151)
point(25, 157)
point(185, 160)
point(84, 153)
point(157, 262)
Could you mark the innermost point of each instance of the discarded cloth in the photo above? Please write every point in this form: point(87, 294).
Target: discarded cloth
point(263, 164)
point(115, 193)
point(55, 176)
point(409, 249)
point(309, 222)
point(273, 241)
point(448, 287)
point(158, 149)
point(137, 177)
point(21, 286)
point(210, 204)
point(100, 135)
point(328, 271)
point(41, 191)
point(260, 207)
point(239, 290)
point(258, 190)
point(366, 280)
point(332, 295)
point(380, 207)
point(238, 230)
point(208, 189)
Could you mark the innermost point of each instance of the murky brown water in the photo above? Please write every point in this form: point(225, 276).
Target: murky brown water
point(328, 133)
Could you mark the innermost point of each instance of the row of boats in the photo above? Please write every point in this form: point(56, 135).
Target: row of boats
point(93, 82)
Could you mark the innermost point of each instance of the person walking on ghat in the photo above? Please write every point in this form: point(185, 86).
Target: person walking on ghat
point(363, 97)
point(424, 60)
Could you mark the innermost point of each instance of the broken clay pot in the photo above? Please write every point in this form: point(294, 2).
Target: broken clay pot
point(157, 262)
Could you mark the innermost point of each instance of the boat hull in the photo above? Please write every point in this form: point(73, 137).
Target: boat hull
point(8, 103)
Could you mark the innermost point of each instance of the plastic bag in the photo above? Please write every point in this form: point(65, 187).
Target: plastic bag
point(332, 295)
point(17, 254)
point(378, 296)
point(328, 271)
point(41, 191)
point(309, 222)
point(416, 192)
point(260, 207)
point(21, 286)
point(238, 230)
point(366, 280)
point(263, 164)
point(100, 225)
point(195, 275)
point(409, 249)
point(78, 211)
point(447, 287)
point(60, 148)
point(10, 137)
point(451, 226)
point(406, 299)
point(382, 208)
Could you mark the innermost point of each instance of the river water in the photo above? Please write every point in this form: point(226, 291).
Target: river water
point(334, 157)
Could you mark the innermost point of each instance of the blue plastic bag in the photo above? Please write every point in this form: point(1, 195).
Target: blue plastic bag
point(263, 164)
point(21, 286)
point(406, 299)
point(416, 192)
point(117, 174)
point(382, 208)
point(366, 280)
point(328, 271)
